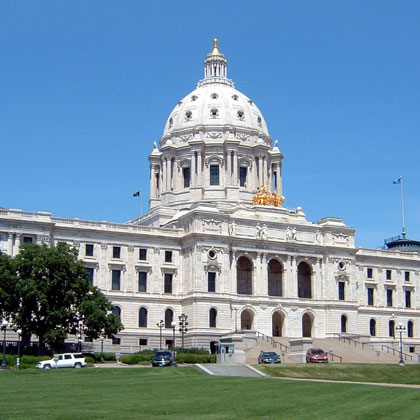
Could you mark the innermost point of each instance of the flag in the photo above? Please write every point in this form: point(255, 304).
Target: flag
point(397, 180)
point(137, 194)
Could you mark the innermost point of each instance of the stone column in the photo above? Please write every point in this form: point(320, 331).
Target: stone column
point(164, 175)
point(192, 170)
point(260, 170)
point(16, 246)
point(229, 168)
point(264, 170)
point(10, 244)
point(293, 289)
point(152, 182)
point(199, 169)
point(235, 168)
point(264, 275)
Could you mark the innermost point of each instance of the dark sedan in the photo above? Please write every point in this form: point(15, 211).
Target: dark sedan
point(269, 357)
point(162, 358)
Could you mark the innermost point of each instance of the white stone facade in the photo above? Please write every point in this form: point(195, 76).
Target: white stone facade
point(208, 252)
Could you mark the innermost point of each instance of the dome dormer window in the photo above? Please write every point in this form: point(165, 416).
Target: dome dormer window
point(171, 122)
point(241, 115)
point(259, 120)
point(235, 97)
point(188, 116)
point(214, 113)
point(214, 96)
point(194, 98)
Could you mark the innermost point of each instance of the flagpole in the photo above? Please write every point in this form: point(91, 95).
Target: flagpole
point(402, 207)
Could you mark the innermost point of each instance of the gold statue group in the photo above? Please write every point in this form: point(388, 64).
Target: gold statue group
point(265, 197)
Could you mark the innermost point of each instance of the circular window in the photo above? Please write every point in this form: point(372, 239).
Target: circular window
point(214, 113)
point(212, 254)
point(194, 98)
point(241, 115)
point(341, 265)
point(188, 115)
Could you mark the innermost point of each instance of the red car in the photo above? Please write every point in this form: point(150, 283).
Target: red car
point(316, 356)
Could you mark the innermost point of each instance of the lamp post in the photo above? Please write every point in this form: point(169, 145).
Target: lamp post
point(160, 325)
point(102, 339)
point(19, 333)
point(173, 325)
point(79, 340)
point(4, 326)
point(400, 329)
point(183, 323)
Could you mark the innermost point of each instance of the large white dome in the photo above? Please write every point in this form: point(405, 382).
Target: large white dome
point(215, 103)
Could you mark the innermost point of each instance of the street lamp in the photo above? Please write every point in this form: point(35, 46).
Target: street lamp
point(102, 339)
point(19, 333)
point(160, 325)
point(183, 323)
point(400, 329)
point(173, 325)
point(80, 338)
point(4, 326)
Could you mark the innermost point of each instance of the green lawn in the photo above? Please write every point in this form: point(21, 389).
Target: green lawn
point(409, 374)
point(185, 393)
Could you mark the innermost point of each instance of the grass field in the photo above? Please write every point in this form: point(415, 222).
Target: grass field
point(185, 393)
point(409, 374)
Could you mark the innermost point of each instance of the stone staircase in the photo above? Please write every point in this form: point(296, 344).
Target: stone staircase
point(352, 352)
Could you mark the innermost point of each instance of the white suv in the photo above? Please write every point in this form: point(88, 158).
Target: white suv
point(65, 360)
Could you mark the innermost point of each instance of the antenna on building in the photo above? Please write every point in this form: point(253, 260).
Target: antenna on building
point(399, 181)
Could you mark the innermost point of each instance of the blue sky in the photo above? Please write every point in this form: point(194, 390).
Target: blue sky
point(86, 87)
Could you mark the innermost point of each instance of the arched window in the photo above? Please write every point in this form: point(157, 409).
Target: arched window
point(117, 311)
point(277, 324)
point(391, 328)
point(169, 317)
point(304, 281)
point(212, 318)
point(343, 323)
point(275, 274)
point(307, 324)
point(410, 329)
point(143, 317)
point(372, 327)
point(247, 319)
point(244, 276)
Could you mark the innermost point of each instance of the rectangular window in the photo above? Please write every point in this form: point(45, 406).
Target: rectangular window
point(168, 256)
point(89, 250)
point(143, 254)
point(116, 279)
point(116, 340)
point(142, 341)
point(27, 239)
point(388, 297)
point(389, 274)
point(214, 174)
point(116, 252)
point(407, 276)
point(242, 176)
point(370, 296)
point(369, 273)
point(142, 281)
point(89, 271)
point(408, 298)
point(211, 282)
point(187, 177)
point(341, 286)
point(168, 283)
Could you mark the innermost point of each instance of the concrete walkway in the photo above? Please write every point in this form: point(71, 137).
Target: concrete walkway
point(239, 370)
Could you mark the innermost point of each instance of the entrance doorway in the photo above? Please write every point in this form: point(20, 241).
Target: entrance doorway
point(307, 324)
point(277, 324)
point(247, 318)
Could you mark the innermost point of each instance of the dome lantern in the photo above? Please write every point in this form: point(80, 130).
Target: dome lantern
point(215, 67)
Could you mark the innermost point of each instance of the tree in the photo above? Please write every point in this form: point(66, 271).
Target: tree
point(54, 296)
point(8, 296)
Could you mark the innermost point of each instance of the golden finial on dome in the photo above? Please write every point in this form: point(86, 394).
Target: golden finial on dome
point(215, 49)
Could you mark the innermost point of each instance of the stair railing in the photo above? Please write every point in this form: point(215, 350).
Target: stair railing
point(389, 349)
point(351, 341)
point(273, 342)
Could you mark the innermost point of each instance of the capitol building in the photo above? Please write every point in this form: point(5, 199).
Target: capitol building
point(219, 245)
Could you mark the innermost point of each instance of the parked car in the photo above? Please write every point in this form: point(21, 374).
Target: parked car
point(65, 360)
point(316, 356)
point(162, 358)
point(269, 357)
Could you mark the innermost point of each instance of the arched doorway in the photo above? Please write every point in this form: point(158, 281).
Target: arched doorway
point(307, 323)
point(277, 324)
point(244, 276)
point(343, 323)
point(304, 281)
point(275, 274)
point(247, 319)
